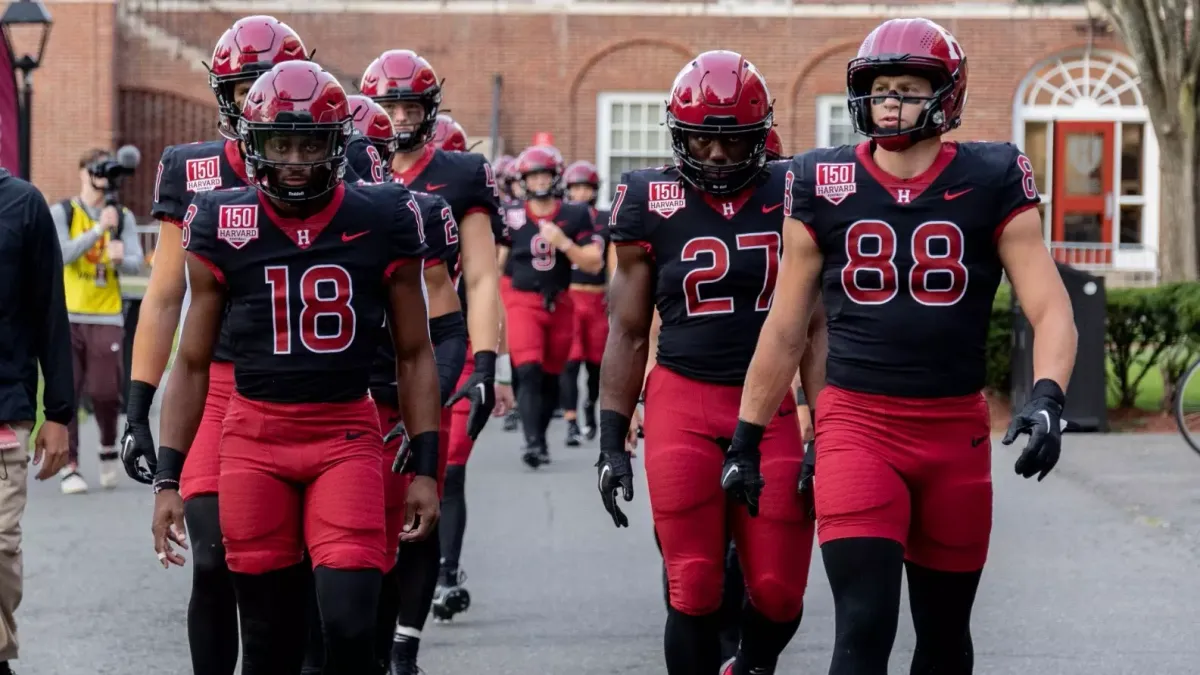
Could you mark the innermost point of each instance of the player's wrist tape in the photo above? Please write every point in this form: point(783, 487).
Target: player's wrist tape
point(747, 435)
point(446, 327)
point(503, 369)
point(485, 363)
point(614, 427)
point(423, 459)
point(800, 398)
point(141, 397)
point(170, 468)
point(1046, 388)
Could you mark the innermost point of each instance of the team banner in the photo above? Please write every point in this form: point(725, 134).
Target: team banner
point(10, 132)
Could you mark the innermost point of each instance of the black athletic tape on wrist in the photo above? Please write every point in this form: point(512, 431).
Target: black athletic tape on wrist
point(485, 362)
point(170, 465)
point(748, 435)
point(141, 397)
point(800, 398)
point(1047, 388)
point(442, 328)
point(424, 457)
point(614, 427)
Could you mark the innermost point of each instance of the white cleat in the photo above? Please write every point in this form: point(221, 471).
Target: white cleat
point(109, 475)
point(71, 482)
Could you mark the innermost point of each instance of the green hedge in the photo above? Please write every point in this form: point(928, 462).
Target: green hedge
point(1148, 330)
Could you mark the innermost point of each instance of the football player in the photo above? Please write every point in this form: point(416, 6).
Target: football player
point(547, 236)
point(907, 267)
point(369, 153)
point(774, 146)
point(309, 272)
point(503, 166)
point(591, 311)
point(244, 52)
point(407, 87)
point(449, 134)
point(700, 242)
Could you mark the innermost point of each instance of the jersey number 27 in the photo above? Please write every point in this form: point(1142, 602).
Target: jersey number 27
point(325, 290)
point(718, 253)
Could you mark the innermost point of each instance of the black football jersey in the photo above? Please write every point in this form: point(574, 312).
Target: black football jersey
point(187, 170)
point(600, 229)
point(716, 261)
point(364, 162)
point(533, 263)
point(307, 296)
point(910, 266)
point(466, 181)
point(437, 220)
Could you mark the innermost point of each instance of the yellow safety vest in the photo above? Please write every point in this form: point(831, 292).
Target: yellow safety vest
point(91, 280)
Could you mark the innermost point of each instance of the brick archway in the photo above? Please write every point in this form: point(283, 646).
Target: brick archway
point(803, 76)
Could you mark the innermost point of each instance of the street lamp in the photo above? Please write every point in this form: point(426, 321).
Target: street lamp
point(25, 19)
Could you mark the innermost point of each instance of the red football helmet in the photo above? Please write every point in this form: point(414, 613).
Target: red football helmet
point(250, 47)
point(720, 93)
point(774, 145)
point(582, 173)
point(540, 159)
point(917, 47)
point(503, 167)
point(296, 100)
point(401, 76)
point(449, 135)
point(373, 122)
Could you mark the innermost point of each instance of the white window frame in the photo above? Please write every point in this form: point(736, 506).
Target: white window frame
point(604, 151)
point(825, 104)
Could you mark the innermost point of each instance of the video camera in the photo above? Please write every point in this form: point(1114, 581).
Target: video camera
point(114, 170)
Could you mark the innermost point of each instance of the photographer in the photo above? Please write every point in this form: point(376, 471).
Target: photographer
point(98, 238)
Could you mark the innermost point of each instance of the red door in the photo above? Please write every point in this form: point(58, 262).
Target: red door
point(1083, 201)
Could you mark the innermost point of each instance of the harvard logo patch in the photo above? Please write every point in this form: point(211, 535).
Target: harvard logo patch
point(514, 218)
point(238, 224)
point(835, 182)
point(665, 199)
point(203, 174)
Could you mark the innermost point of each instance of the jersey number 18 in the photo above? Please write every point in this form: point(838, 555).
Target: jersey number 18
point(325, 290)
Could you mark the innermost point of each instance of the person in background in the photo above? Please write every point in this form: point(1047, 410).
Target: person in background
point(97, 241)
point(33, 331)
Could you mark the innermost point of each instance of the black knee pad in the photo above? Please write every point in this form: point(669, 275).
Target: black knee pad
point(203, 518)
point(349, 602)
point(593, 383)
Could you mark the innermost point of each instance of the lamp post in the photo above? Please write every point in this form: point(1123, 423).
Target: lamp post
point(29, 22)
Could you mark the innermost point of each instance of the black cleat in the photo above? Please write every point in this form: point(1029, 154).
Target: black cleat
point(512, 420)
point(572, 434)
point(589, 421)
point(450, 597)
point(533, 456)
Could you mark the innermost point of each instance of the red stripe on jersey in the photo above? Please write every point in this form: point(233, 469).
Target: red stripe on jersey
point(212, 267)
point(477, 209)
point(395, 265)
point(1004, 223)
point(432, 262)
point(644, 244)
point(169, 219)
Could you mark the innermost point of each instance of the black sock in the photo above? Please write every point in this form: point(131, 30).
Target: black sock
point(418, 567)
point(568, 385)
point(529, 404)
point(274, 612)
point(691, 643)
point(763, 641)
point(941, 605)
point(385, 616)
point(314, 647)
point(349, 601)
point(212, 609)
point(864, 574)
point(453, 523)
point(550, 397)
point(593, 385)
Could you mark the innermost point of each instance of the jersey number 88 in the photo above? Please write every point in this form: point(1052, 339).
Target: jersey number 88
point(871, 277)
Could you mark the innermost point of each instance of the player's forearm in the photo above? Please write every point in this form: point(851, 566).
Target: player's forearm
point(483, 298)
point(588, 258)
point(502, 342)
point(770, 373)
point(623, 367)
point(652, 348)
point(183, 403)
point(155, 336)
point(812, 363)
point(416, 376)
point(1054, 343)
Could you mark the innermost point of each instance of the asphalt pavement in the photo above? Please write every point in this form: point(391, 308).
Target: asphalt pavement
point(1092, 572)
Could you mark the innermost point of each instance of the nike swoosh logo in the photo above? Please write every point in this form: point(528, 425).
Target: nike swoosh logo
point(768, 209)
point(604, 471)
point(352, 435)
point(431, 187)
point(728, 472)
point(1045, 414)
point(976, 442)
point(955, 195)
point(482, 391)
point(351, 237)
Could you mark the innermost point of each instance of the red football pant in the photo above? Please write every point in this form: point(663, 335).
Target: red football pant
point(536, 335)
point(691, 513)
point(460, 444)
point(591, 325)
point(302, 475)
point(916, 471)
point(202, 468)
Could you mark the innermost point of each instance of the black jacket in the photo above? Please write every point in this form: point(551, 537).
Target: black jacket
point(33, 311)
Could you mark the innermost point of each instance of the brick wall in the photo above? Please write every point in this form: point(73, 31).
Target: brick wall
point(553, 66)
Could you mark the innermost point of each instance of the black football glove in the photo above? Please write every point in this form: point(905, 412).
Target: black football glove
point(1041, 418)
point(137, 443)
point(741, 478)
point(808, 471)
point(614, 468)
point(480, 390)
point(400, 464)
